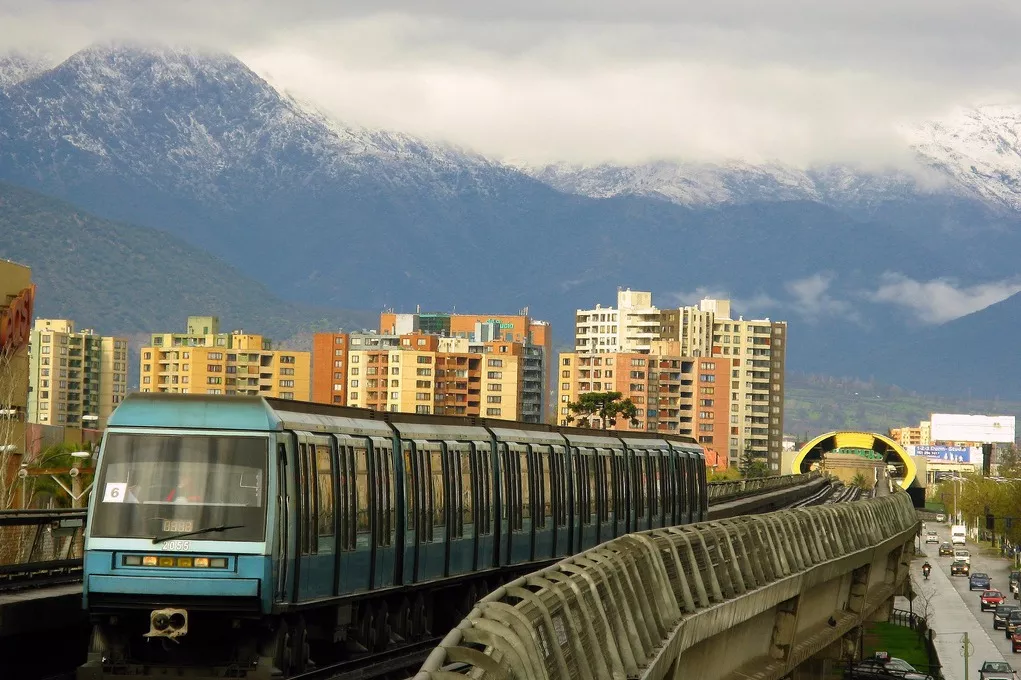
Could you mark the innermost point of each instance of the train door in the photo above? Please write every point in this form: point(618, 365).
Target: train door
point(354, 560)
point(433, 532)
point(515, 544)
point(316, 570)
point(605, 497)
point(703, 495)
point(641, 487)
point(414, 497)
point(482, 467)
point(285, 544)
point(670, 482)
point(383, 530)
point(659, 488)
point(584, 497)
point(560, 506)
point(618, 521)
point(462, 549)
point(543, 503)
point(691, 473)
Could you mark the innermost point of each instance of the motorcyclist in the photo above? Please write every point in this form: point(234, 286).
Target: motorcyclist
point(926, 568)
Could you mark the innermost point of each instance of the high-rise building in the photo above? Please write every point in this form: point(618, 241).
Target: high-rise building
point(417, 372)
point(17, 297)
point(205, 361)
point(77, 377)
point(754, 349)
point(673, 394)
point(534, 337)
point(631, 326)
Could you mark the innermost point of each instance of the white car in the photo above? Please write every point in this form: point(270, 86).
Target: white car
point(931, 537)
point(941, 517)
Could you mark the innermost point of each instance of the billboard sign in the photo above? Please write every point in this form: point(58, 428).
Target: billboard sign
point(954, 427)
point(950, 454)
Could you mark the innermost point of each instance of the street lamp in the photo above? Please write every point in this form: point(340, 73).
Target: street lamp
point(23, 473)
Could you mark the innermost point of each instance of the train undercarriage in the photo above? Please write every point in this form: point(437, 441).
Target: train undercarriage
point(199, 643)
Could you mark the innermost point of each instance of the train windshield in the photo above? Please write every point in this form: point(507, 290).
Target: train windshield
point(153, 486)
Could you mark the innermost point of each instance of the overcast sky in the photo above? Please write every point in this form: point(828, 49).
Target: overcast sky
point(800, 81)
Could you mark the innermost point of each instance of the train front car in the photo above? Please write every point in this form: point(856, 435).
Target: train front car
point(178, 558)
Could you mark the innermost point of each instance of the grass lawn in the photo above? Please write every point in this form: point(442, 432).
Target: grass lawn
point(933, 506)
point(899, 641)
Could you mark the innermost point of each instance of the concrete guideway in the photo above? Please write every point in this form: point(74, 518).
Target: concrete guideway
point(952, 609)
point(750, 597)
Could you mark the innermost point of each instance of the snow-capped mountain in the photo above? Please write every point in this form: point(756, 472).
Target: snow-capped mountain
point(16, 67)
point(972, 153)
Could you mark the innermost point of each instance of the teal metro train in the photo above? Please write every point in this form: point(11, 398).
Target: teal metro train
point(255, 537)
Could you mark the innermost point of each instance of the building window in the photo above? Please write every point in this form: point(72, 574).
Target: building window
point(706, 377)
point(495, 387)
point(424, 360)
point(494, 399)
point(496, 363)
point(147, 356)
point(495, 375)
point(286, 383)
point(422, 409)
point(493, 411)
point(287, 395)
point(354, 383)
point(421, 396)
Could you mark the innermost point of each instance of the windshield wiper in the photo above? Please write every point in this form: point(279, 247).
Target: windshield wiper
point(207, 530)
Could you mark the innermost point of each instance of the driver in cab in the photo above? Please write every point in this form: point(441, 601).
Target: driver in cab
point(186, 491)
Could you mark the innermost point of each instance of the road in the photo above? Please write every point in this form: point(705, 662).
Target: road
point(954, 609)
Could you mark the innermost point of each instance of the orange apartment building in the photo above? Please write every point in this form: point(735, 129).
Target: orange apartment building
point(674, 394)
point(427, 373)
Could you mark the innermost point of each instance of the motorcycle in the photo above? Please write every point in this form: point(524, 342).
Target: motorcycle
point(925, 572)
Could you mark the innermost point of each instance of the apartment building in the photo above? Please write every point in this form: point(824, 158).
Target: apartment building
point(76, 377)
point(418, 372)
point(631, 326)
point(534, 336)
point(755, 350)
point(17, 298)
point(673, 394)
point(205, 360)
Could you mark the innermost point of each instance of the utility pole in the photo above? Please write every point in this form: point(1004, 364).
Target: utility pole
point(966, 652)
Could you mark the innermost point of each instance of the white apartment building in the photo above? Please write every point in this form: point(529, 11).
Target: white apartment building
point(630, 327)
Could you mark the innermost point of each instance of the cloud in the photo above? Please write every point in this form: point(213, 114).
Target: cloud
point(749, 307)
point(941, 300)
point(812, 299)
point(793, 80)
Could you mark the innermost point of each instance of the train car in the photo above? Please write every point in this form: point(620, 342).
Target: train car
point(254, 537)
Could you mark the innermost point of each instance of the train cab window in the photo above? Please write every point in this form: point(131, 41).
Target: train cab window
point(324, 489)
point(364, 524)
point(525, 493)
point(438, 497)
point(467, 493)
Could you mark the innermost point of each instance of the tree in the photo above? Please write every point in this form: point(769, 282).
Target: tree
point(52, 489)
point(727, 475)
point(1008, 463)
point(606, 406)
point(861, 482)
point(751, 466)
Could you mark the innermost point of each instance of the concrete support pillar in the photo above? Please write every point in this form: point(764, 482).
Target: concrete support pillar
point(785, 628)
point(813, 669)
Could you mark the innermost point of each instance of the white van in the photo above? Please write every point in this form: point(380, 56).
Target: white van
point(958, 533)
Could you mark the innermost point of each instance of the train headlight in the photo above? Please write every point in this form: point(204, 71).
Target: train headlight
point(132, 560)
point(184, 561)
point(166, 561)
point(149, 561)
point(218, 562)
point(202, 562)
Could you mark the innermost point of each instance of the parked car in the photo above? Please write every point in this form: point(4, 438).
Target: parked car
point(1000, 615)
point(946, 550)
point(979, 581)
point(941, 517)
point(931, 537)
point(990, 599)
point(959, 568)
point(996, 670)
point(1013, 621)
point(883, 666)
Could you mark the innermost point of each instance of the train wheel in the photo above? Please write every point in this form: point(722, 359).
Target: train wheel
point(380, 633)
point(400, 622)
point(419, 618)
point(299, 648)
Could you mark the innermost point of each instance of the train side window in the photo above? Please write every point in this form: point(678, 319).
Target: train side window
point(593, 488)
point(467, 494)
point(364, 525)
point(640, 485)
point(410, 502)
point(438, 497)
point(609, 497)
point(525, 495)
point(542, 487)
point(560, 484)
point(348, 511)
point(692, 475)
point(385, 487)
point(455, 481)
point(485, 468)
point(580, 488)
point(650, 481)
point(308, 521)
point(324, 488)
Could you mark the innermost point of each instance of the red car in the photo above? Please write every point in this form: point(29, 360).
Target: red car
point(990, 599)
point(1015, 642)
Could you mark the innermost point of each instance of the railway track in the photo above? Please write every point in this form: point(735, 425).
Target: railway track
point(401, 662)
point(16, 577)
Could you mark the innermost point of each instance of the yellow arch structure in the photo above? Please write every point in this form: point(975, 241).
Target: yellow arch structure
point(857, 440)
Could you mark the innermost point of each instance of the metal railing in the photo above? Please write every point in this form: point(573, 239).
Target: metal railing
point(40, 547)
point(736, 488)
